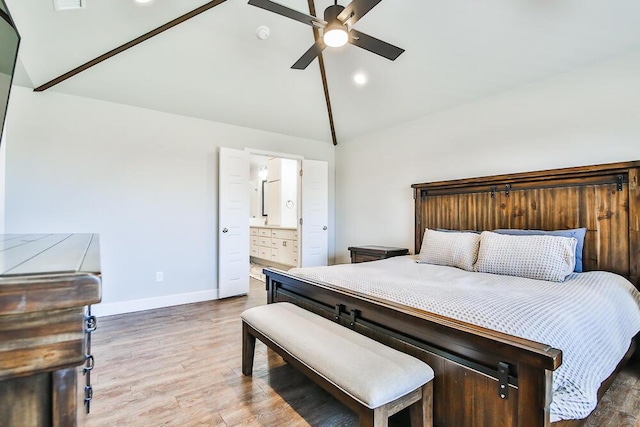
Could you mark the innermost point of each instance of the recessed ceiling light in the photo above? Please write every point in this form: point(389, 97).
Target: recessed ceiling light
point(143, 1)
point(360, 78)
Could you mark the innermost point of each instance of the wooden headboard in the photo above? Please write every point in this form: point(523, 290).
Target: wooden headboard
point(603, 198)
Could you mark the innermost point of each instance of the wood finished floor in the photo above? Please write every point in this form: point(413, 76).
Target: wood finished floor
point(180, 366)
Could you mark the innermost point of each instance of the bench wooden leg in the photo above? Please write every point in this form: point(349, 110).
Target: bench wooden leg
point(422, 410)
point(248, 350)
point(378, 417)
point(381, 416)
point(366, 417)
point(419, 401)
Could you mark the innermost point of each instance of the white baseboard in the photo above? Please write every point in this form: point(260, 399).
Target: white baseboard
point(110, 309)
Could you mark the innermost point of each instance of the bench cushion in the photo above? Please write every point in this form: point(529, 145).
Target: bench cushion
point(368, 371)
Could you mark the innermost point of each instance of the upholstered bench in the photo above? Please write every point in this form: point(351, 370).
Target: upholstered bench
point(372, 379)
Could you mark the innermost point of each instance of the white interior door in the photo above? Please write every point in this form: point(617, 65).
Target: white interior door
point(233, 223)
point(315, 213)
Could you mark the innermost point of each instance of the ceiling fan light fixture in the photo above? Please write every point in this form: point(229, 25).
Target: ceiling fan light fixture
point(335, 37)
point(335, 34)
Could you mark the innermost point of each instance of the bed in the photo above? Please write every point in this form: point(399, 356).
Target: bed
point(486, 376)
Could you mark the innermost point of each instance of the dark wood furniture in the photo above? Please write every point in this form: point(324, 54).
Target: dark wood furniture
point(374, 253)
point(473, 363)
point(47, 283)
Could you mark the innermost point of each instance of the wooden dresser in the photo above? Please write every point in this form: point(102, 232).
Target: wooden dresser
point(47, 284)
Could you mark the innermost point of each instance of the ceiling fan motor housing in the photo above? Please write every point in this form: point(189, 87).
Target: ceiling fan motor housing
point(331, 13)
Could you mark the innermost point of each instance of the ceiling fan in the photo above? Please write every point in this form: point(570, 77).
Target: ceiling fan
point(337, 29)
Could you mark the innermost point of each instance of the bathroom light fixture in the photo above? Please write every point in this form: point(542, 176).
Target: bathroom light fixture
point(262, 173)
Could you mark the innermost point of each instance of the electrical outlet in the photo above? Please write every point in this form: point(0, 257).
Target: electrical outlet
point(159, 276)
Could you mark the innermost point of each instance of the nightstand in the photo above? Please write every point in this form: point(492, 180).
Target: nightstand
point(374, 253)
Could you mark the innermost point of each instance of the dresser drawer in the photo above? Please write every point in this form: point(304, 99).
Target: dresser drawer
point(284, 234)
point(264, 241)
point(283, 243)
point(357, 258)
point(264, 232)
point(264, 252)
point(255, 231)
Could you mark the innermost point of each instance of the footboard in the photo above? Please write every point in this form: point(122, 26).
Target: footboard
point(483, 377)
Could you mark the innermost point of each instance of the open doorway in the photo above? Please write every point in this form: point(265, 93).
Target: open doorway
point(285, 244)
point(274, 191)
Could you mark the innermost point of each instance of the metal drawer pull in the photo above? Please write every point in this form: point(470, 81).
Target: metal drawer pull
point(92, 323)
point(90, 363)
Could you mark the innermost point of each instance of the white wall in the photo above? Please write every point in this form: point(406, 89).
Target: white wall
point(145, 180)
point(585, 117)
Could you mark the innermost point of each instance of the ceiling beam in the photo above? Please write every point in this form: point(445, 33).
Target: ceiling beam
point(130, 44)
point(323, 74)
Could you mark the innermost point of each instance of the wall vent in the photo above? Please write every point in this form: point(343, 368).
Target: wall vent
point(68, 4)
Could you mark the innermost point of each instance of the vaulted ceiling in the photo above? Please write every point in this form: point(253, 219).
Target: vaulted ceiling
point(214, 67)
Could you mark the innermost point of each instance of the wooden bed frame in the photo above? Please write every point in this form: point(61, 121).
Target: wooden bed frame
point(483, 377)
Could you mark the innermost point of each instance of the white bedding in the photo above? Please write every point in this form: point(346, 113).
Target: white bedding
point(591, 317)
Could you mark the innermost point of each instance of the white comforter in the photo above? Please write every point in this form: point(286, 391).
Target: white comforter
point(591, 317)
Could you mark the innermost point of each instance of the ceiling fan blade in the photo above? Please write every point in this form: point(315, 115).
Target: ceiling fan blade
point(374, 45)
point(356, 10)
point(289, 13)
point(311, 54)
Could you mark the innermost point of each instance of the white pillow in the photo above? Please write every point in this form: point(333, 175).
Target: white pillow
point(453, 249)
point(535, 257)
